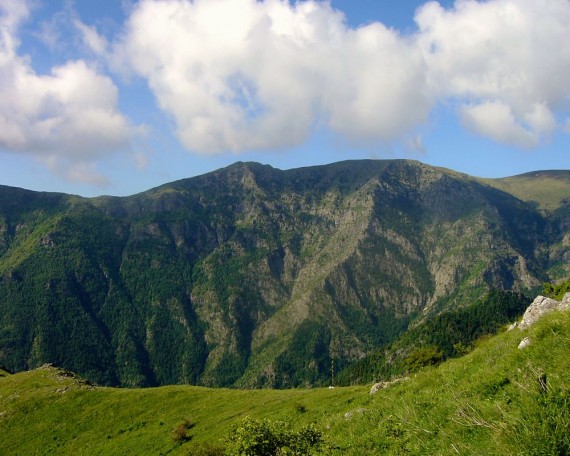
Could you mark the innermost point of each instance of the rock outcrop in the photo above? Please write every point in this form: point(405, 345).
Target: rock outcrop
point(524, 343)
point(378, 386)
point(540, 306)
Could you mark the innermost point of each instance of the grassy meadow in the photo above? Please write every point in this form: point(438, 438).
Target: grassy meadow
point(498, 399)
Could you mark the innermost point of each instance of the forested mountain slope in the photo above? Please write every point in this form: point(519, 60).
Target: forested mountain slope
point(253, 276)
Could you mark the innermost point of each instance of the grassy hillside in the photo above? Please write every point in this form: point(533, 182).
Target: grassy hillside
point(547, 189)
point(496, 400)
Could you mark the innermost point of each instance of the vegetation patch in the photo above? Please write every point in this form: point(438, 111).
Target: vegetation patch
point(180, 431)
point(267, 438)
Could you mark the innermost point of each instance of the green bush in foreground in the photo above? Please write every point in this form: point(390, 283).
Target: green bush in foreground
point(267, 438)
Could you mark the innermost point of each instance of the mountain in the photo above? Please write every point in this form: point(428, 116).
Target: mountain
point(251, 276)
point(549, 192)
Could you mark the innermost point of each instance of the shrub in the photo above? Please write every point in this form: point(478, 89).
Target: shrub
point(428, 355)
point(180, 432)
point(266, 438)
point(206, 449)
point(556, 291)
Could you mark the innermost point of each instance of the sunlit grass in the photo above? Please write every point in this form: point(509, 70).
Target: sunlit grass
point(488, 402)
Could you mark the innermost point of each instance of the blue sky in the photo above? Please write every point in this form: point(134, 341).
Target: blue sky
point(114, 97)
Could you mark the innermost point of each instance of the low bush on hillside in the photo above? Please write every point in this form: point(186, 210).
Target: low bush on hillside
point(206, 449)
point(180, 432)
point(272, 438)
point(428, 355)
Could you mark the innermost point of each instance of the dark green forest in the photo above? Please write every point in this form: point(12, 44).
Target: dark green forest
point(447, 335)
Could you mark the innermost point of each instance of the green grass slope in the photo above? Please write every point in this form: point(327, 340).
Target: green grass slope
point(497, 400)
point(548, 189)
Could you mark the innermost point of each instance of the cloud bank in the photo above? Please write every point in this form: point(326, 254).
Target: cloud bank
point(505, 62)
point(243, 75)
point(240, 74)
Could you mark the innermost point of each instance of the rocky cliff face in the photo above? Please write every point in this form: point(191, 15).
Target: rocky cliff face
point(253, 276)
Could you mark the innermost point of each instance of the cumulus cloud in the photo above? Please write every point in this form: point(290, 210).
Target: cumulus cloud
point(240, 74)
point(69, 116)
point(496, 120)
point(71, 111)
point(505, 62)
point(245, 74)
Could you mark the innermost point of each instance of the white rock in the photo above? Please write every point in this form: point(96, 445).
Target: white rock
point(524, 343)
point(377, 387)
point(540, 306)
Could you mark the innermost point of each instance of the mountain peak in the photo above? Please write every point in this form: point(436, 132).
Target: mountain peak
point(254, 276)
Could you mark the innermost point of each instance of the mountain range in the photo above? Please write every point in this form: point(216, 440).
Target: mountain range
point(251, 276)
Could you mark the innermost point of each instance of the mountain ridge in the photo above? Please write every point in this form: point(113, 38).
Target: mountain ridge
point(252, 276)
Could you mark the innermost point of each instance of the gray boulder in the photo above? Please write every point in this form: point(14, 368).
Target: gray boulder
point(540, 306)
point(524, 343)
point(378, 386)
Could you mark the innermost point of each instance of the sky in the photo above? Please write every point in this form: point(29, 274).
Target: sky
point(118, 96)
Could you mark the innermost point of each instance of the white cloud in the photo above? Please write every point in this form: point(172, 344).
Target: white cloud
point(240, 74)
point(377, 89)
point(69, 116)
point(92, 39)
point(496, 121)
point(13, 12)
point(507, 59)
point(244, 74)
